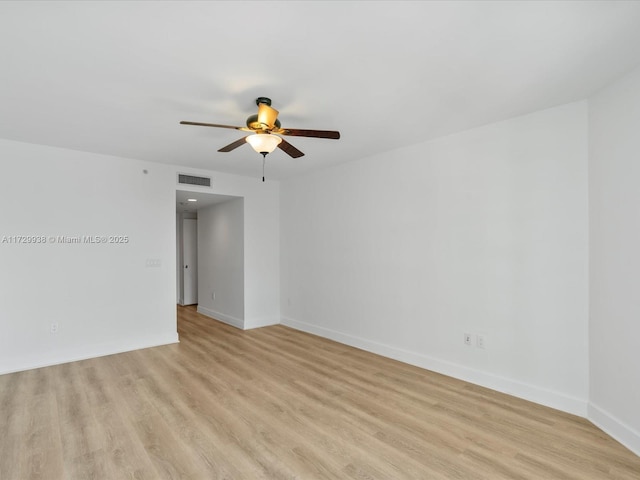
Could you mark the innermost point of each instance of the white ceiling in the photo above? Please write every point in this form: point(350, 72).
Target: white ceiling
point(117, 77)
point(202, 200)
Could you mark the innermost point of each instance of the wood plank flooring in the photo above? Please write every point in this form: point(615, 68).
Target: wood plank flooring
point(275, 403)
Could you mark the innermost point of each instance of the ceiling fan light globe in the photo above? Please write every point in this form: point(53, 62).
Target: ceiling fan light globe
point(263, 142)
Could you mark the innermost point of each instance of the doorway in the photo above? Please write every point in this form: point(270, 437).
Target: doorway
point(204, 247)
point(189, 261)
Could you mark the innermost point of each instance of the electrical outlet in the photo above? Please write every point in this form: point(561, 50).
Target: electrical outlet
point(54, 328)
point(481, 341)
point(468, 339)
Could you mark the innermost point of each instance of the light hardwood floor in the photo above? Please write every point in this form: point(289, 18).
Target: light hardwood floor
point(276, 403)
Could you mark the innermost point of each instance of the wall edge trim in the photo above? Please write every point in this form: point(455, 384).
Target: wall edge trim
point(533, 393)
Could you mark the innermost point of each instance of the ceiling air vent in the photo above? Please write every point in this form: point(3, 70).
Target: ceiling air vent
point(193, 180)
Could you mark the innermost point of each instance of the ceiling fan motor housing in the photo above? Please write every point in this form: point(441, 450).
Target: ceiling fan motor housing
point(254, 124)
point(252, 121)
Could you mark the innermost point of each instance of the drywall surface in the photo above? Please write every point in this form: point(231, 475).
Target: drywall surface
point(221, 261)
point(481, 232)
point(614, 207)
point(87, 248)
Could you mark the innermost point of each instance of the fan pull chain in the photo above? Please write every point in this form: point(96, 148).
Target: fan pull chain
point(264, 159)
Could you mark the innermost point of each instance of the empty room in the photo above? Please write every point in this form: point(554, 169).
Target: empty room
point(319, 240)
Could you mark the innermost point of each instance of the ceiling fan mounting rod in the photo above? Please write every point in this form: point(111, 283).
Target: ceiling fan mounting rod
point(265, 100)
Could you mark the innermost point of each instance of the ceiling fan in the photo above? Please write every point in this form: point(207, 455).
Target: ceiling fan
point(266, 130)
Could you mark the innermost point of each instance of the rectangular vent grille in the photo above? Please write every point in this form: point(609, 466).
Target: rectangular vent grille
point(193, 180)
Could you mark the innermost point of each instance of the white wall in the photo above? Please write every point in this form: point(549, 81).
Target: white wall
point(221, 261)
point(483, 232)
point(103, 296)
point(614, 201)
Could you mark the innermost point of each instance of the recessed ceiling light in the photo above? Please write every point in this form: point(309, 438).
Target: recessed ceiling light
point(192, 199)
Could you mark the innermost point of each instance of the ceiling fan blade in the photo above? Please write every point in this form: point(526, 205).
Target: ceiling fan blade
point(289, 149)
point(297, 132)
point(267, 115)
point(199, 124)
point(234, 145)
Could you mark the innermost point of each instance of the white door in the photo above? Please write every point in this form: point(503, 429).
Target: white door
point(190, 260)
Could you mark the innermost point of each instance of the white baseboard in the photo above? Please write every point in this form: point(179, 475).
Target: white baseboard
point(522, 390)
point(47, 359)
point(626, 435)
point(228, 319)
point(250, 323)
point(246, 324)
